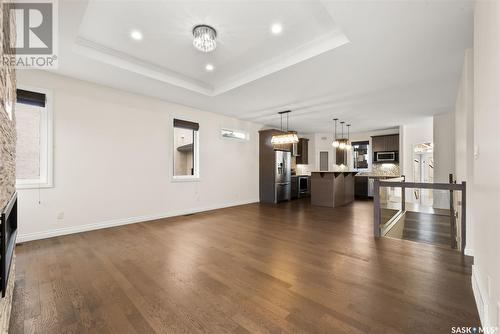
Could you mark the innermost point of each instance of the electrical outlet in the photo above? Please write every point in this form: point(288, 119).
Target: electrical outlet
point(60, 216)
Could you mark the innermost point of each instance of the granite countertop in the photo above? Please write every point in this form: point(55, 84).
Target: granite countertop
point(376, 175)
point(338, 171)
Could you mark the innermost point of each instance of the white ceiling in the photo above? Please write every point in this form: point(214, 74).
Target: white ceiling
point(376, 64)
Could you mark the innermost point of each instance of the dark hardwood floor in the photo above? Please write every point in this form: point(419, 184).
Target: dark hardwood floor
point(425, 227)
point(248, 269)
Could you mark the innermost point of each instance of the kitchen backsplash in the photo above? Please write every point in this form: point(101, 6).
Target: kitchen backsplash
point(385, 169)
point(303, 169)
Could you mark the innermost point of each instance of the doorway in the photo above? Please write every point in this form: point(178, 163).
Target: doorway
point(423, 171)
point(323, 161)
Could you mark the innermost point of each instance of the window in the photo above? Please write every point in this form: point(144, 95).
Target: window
point(34, 139)
point(234, 134)
point(186, 155)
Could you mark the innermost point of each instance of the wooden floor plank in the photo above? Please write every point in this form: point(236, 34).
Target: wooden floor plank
point(256, 268)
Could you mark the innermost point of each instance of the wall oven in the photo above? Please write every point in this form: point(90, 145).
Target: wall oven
point(386, 157)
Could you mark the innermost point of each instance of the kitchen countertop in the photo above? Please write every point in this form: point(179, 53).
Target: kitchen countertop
point(377, 175)
point(338, 171)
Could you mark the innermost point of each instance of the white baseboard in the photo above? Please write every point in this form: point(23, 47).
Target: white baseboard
point(479, 296)
point(122, 221)
point(469, 252)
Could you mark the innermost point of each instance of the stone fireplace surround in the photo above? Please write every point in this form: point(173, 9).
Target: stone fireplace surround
point(7, 153)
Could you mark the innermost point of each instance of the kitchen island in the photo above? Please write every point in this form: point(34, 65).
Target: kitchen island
point(332, 189)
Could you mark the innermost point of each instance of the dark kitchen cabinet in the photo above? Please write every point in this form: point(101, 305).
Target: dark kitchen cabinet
point(392, 143)
point(294, 188)
point(388, 143)
point(340, 157)
point(303, 151)
point(378, 144)
point(361, 186)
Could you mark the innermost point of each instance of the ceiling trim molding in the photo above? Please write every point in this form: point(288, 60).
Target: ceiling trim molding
point(126, 62)
point(292, 57)
point(122, 60)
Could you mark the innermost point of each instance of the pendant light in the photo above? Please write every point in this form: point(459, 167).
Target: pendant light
point(289, 137)
point(348, 145)
point(342, 141)
point(335, 142)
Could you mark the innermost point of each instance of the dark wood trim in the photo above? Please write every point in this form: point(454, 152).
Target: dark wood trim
point(376, 207)
point(179, 123)
point(464, 222)
point(438, 186)
point(31, 98)
point(453, 222)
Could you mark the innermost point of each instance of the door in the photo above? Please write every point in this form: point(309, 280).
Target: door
point(323, 161)
point(423, 171)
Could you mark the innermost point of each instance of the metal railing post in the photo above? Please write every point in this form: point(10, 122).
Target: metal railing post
point(453, 223)
point(376, 207)
point(464, 212)
point(403, 195)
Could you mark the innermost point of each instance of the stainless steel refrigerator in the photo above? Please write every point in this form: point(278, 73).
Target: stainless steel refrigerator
point(282, 176)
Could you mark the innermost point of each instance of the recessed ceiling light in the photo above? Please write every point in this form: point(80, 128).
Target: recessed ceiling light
point(209, 67)
point(276, 28)
point(136, 35)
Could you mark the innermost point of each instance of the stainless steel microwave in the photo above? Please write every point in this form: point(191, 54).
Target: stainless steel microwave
point(385, 156)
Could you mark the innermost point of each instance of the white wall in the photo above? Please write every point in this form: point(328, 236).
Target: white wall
point(113, 161)
point(485, 184)
point(464, 121)
point(464, 139)
point(409, 135)
point(323, 142)
point(444, 155)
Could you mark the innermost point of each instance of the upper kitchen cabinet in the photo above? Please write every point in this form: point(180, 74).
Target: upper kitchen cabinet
point(392, 143)
point(340, 157)
point(302, 151)
point(387, 143)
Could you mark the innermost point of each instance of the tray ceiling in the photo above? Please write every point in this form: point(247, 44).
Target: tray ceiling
point(246, 51)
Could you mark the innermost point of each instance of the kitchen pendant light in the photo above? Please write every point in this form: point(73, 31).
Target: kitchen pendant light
point(289, 137)
point(335, 142)
point(342, 142)
point(348, 145)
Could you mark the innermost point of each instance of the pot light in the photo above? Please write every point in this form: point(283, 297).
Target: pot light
point(276, 28)
point(136, 35)
point(209, 67)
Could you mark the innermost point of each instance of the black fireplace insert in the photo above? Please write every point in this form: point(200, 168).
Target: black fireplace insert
point(8, 230)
